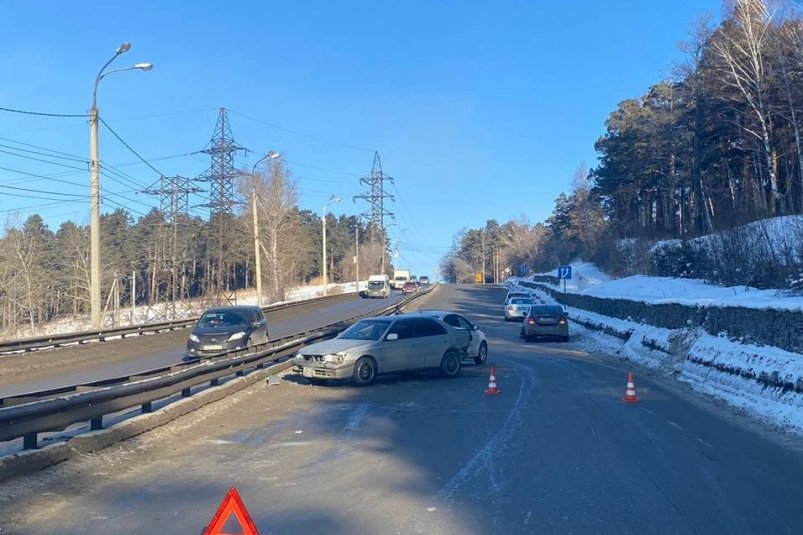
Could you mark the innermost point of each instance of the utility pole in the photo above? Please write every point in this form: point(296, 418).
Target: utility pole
point(94, 186)
point(357, 254)
point(483, 256)
point(376, 198)
point(332, 198)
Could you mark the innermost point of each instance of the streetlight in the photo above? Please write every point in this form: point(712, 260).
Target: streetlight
point(333, 198)
point(271, 155)
point(94, 184)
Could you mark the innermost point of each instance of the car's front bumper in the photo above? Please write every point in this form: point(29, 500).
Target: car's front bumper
point(324, 370)
point(199, 349)
point(515, 314)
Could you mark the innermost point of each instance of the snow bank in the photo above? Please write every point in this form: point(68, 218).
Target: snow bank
point(589, 280)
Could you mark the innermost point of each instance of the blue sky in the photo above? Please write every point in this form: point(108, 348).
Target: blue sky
point(478, 109)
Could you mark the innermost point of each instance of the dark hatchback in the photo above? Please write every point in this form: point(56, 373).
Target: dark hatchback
point(227, 328)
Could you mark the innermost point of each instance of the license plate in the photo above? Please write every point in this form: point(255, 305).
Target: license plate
point(545, 319)
point(213, 347)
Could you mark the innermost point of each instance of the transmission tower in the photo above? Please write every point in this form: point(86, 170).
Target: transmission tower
point(174, 203)
point(221, 175)
point(376, 199)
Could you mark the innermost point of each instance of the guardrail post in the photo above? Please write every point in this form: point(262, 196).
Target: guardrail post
point(29, 441)
point(185, 393)
point(96, 423)
point(240, 373)
point(147, 407)
point(214, 382)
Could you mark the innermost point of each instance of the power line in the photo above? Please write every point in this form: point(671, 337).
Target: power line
point(40, 153)
point(41, 114)
point(40, 177)
point(41, 160)
point(135, 153)
point(41, 191)
point(301, 134)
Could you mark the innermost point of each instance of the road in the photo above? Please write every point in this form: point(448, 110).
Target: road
point(557, 452)
point(71, 365)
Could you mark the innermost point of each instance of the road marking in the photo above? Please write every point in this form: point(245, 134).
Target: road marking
point(673, 424)
point(649, 411)
point(704, 443)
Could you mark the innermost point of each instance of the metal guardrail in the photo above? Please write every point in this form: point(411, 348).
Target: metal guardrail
point(27, 415)
point(59, 340)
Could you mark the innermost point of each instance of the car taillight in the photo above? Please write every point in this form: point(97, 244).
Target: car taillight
point(531, 321)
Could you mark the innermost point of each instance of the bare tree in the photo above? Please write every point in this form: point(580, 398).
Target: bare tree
point(742, 47)
point(276, 209)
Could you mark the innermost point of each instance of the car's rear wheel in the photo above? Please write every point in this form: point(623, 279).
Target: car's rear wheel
point(365, 371)
point(450, 364)
point(482, 354)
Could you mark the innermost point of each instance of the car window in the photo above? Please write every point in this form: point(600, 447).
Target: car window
point(521, 301)
point(403, 328)
point(365, 330)
point(464, 323)
point(213, 319)
point(546, 310)
point(428, 327)
point(451, 319)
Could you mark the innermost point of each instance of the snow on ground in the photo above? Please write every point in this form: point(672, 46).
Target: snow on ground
point(587, 279)
point(779, 233)
point(736, 373)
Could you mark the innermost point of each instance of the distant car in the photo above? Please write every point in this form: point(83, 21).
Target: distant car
point(409, 287)
point(222, 329)
point(423, 280)
point(382, 345)
point(517, 307)
point(545, 321)
point(471, 338)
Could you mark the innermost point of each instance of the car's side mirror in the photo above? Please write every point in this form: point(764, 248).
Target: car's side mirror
point(475, 328)
point(566, 312)
point(392, 336)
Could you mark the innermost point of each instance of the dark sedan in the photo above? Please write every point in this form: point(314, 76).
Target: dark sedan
point(227, 328)
point(546, 321)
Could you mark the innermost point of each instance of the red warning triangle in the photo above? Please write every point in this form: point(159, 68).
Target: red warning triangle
point(231, 506)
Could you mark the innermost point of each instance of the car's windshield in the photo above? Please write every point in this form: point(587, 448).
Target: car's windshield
point(521, 301)
point(375, 284)
point(546, 310)
point(365, 330)
point(221, 318)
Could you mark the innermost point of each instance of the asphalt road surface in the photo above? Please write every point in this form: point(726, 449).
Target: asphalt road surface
point(557, 452)
point(71, 365)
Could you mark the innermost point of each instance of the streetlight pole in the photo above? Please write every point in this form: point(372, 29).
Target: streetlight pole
point(257, 253)
point(94, 186)
point(333, 198)
point(483, 256)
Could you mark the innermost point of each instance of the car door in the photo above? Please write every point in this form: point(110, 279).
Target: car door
point(260, 327)
point(462, 332)
point(432, 341)
point(474, 346)
point(401, 353)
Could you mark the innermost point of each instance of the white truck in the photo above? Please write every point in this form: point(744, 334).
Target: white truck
point(378, 286)
point(400, 276)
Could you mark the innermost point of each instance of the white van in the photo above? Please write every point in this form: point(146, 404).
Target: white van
point(378, 286)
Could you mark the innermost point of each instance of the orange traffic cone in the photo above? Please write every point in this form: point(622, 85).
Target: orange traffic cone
point(630, 393)
point(492, 390)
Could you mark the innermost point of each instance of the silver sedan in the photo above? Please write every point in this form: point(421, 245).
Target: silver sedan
point(382, 345)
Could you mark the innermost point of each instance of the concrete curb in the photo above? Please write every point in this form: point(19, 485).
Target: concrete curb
point(34, 460)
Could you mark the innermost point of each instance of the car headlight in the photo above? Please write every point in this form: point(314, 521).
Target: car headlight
point(236, 336)
point(337, 358)
point(194, 338)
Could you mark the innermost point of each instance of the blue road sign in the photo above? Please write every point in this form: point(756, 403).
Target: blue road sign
point(565, 272)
